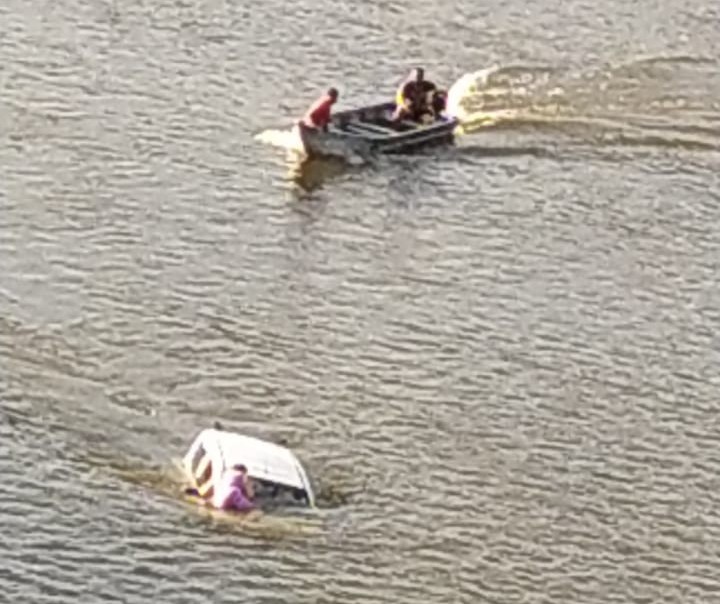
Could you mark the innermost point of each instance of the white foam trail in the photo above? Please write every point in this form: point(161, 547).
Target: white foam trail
point(482, 119)
point(465, 85)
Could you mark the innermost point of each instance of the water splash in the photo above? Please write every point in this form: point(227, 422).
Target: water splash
point(464, 87)
point(285, 139)
point(291, 142)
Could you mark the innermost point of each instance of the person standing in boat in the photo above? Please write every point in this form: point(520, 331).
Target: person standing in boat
point(413, 97)
point(318, 116)
point(235, 491)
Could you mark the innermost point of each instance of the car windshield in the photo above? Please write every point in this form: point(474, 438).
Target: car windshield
point(273, 494)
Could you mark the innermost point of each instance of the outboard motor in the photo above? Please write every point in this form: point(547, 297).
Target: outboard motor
point(439, 102)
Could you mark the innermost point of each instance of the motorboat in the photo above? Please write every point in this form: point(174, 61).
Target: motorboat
point(373, 129)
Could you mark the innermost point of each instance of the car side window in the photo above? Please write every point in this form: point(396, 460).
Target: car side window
point(202, 472)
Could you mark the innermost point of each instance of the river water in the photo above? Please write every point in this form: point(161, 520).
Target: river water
point(498, 360)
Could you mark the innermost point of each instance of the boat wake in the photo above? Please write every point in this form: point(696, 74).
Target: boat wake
point(466, 86)
point(664, 101)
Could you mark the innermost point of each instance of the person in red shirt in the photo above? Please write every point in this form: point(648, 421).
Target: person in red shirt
point(318, 116)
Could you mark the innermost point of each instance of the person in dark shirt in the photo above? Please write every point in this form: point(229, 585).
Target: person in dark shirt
point(413, 97)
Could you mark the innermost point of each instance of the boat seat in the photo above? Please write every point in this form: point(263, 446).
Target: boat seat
point(373, 127)
point(410, 124)
point(354, 128)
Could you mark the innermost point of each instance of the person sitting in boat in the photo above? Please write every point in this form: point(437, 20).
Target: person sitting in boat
point(413, 99)
point(235, 491)
point(318, 116)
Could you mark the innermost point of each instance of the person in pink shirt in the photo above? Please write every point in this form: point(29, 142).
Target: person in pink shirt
point(235, 491)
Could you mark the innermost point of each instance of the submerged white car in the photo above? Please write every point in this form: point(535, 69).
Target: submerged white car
point(278, 476)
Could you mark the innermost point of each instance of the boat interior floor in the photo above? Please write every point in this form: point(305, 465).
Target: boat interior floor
point(380, 126)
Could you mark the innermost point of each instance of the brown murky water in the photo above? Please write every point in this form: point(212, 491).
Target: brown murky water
point(498, 360)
